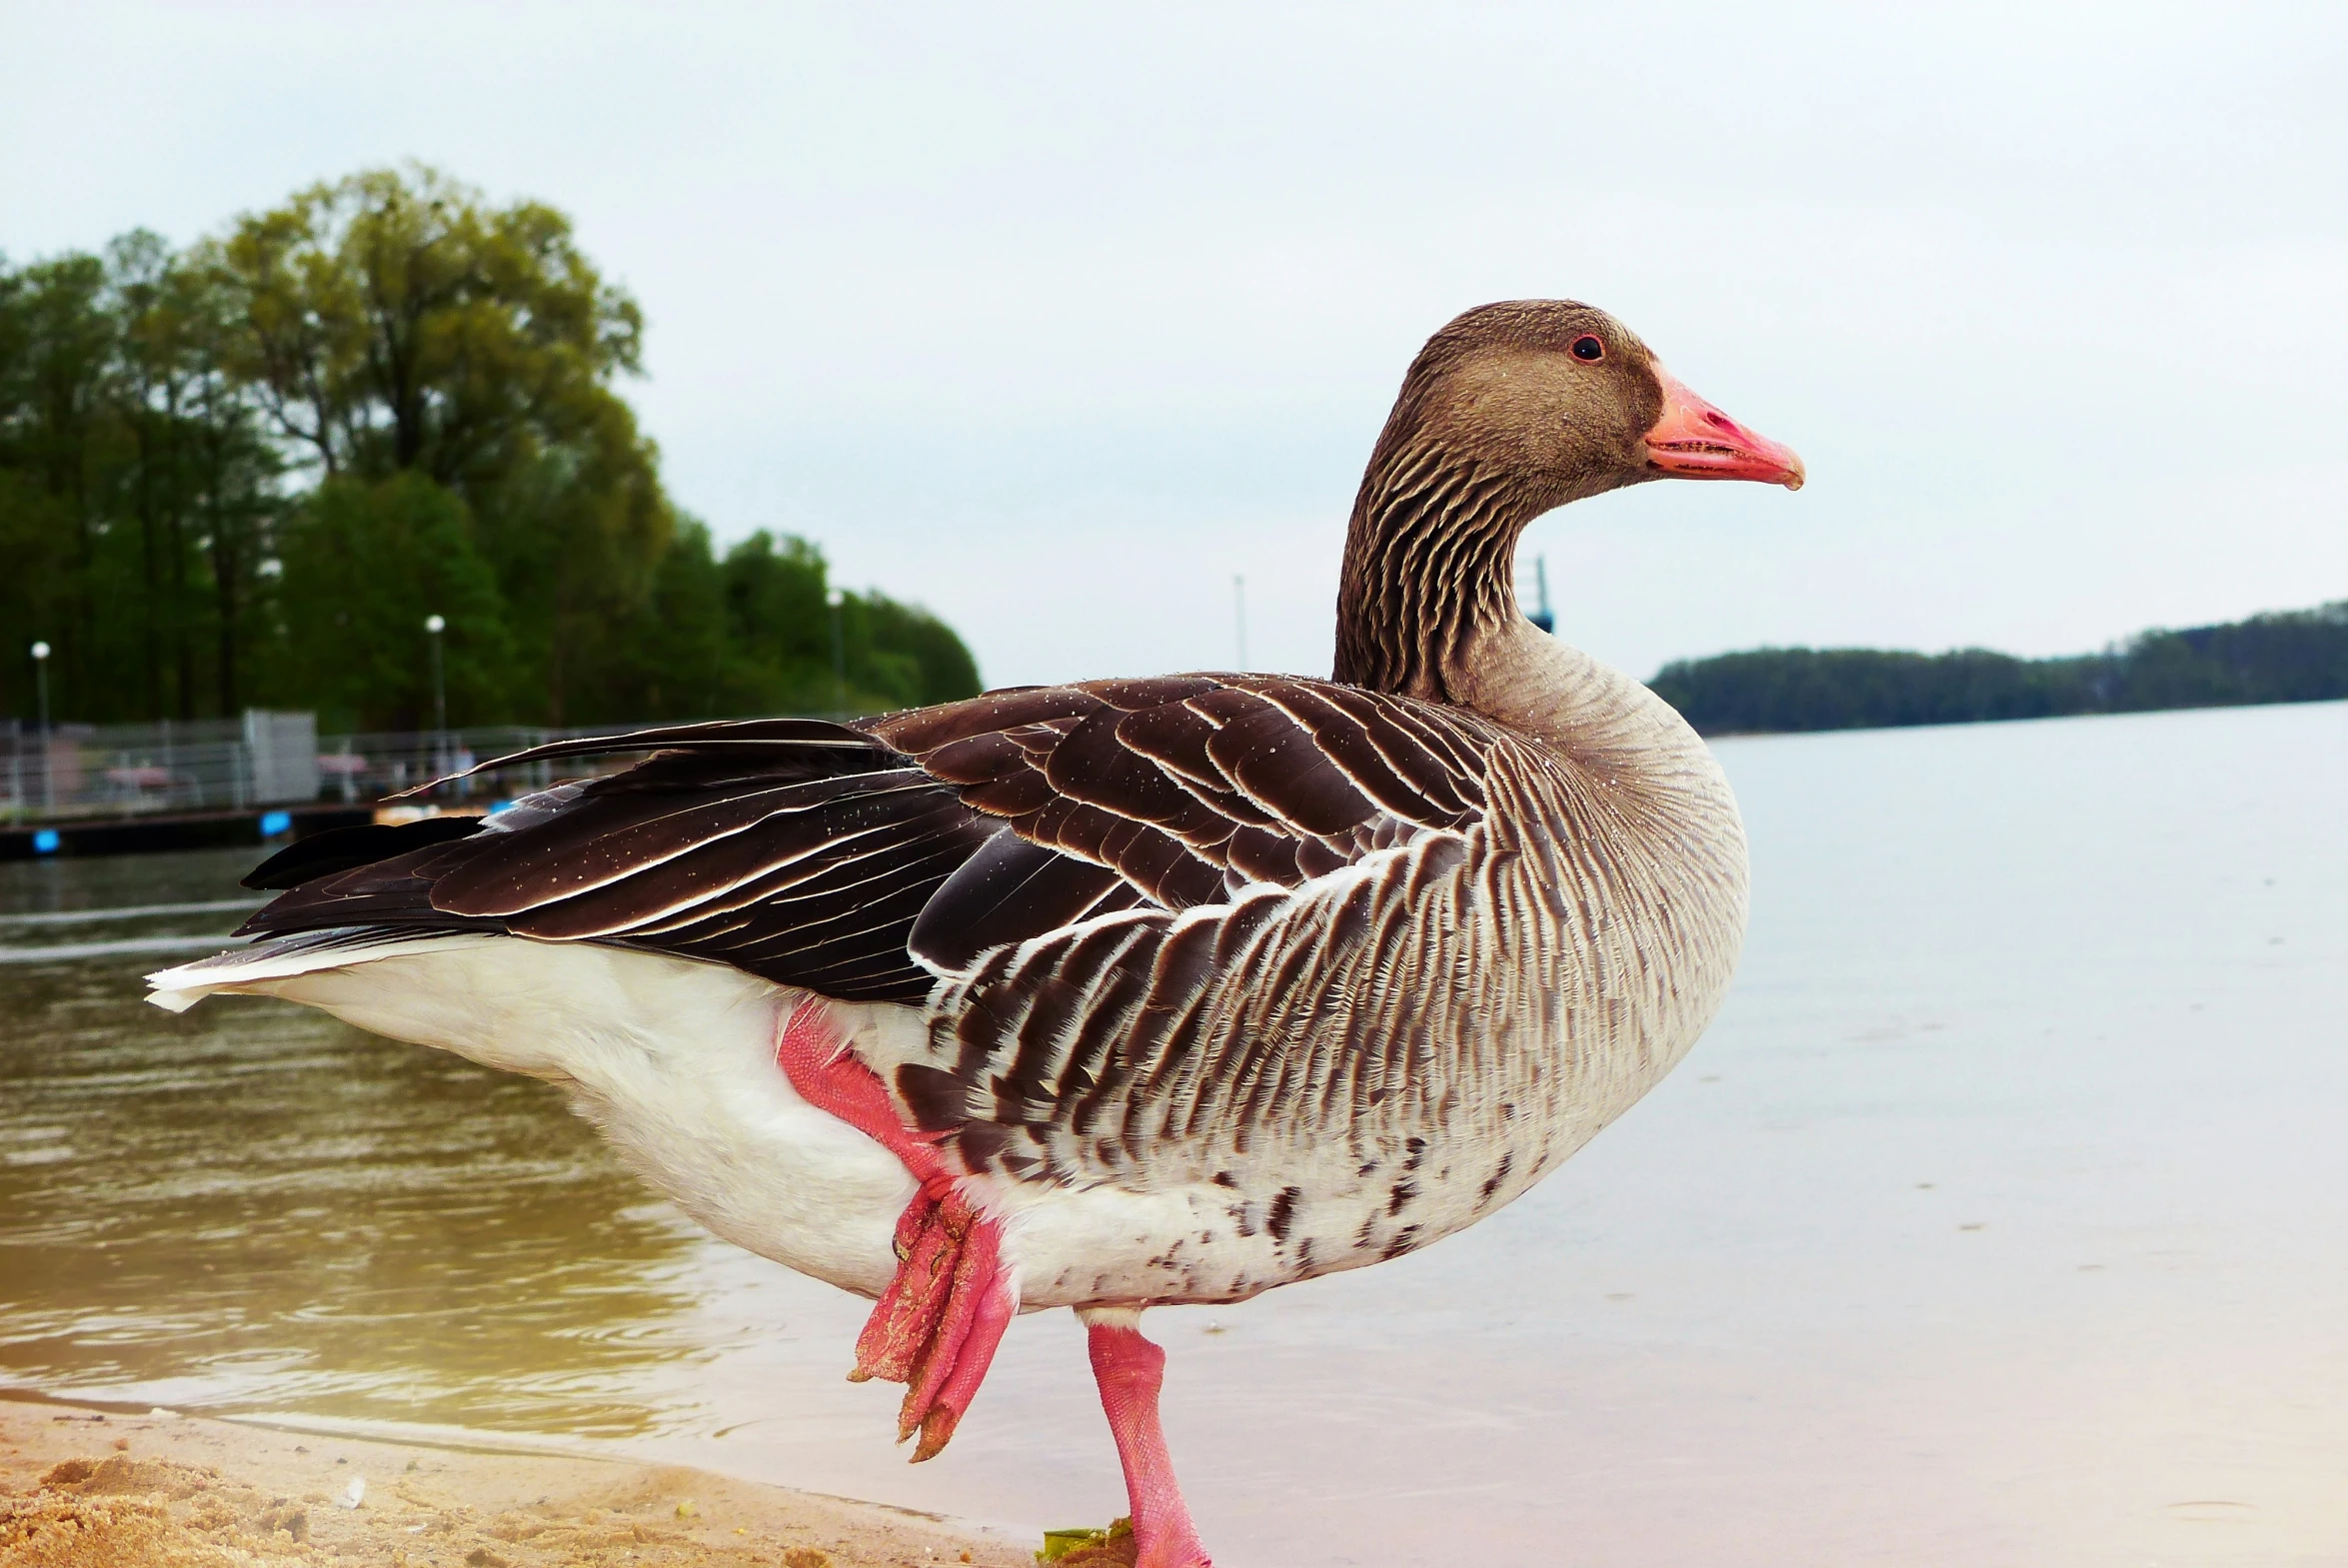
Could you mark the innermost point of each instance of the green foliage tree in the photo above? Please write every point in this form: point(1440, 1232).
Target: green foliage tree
point(137, 487)
point(366, 562)
point(670, 656)
point(56, 340)
point(934, 664)
point(2287, 657)
point(752, 634)
point(245, 470)
point(777, 615)
point(398, 322)
point(201, 479)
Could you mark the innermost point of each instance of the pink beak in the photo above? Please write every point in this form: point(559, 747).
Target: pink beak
point(1694, 440)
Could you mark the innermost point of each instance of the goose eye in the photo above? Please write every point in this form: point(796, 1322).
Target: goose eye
point(1587, 348)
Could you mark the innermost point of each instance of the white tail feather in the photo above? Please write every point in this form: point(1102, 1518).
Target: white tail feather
point(250, 969)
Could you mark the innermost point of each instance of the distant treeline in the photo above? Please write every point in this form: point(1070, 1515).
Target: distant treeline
point(246, 472)
point(2296, 656)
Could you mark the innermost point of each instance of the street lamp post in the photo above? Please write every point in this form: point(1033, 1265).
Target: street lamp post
point(834, 599)
point(434, 625)
point(48, 762)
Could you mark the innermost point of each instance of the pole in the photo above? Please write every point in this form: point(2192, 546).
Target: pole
point(433, 627)
point(835, 599)
point(1239, 616)
point(41, 682)
point(48, 762)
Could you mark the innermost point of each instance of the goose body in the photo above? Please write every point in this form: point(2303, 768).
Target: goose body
point(1509, 1022)
point(1123, 993)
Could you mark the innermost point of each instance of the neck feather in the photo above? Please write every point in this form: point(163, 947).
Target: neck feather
point(1429, 569)
point(1428, 609)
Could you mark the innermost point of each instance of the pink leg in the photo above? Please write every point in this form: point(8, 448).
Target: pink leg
point(937, 1326)
point(1131, 1371)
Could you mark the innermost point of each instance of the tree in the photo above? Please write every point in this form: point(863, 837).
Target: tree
point(137, 487)
point(395, 322)
point(776, 617)
point(2290, 656)
point(365, 564)
point(57, 341)
point(201, 477)
point(671, 659)
point(752, 634)
point(938, 667)
point(244, 472)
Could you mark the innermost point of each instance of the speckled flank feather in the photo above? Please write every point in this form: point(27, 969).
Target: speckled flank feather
point(1492, 984)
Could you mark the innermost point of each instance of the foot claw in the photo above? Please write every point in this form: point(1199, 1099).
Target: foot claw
point(977, 1253)
point(937, 1431)
point(936, 1327)
point(905, 1320)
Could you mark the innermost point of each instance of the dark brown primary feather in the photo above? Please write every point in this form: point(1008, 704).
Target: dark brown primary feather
point(800, 852)
point(1008, 891)
point(346, 848)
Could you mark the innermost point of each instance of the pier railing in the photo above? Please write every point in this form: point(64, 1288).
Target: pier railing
point(85, 772)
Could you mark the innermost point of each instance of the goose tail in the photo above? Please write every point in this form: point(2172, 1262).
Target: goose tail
point(263, 966)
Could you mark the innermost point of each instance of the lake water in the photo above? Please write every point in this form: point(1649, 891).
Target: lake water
point(1998, 1220)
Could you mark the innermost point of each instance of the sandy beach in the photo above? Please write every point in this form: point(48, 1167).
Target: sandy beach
point(82, 1488)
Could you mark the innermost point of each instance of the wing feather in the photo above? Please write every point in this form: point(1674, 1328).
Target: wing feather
point(1061, 874)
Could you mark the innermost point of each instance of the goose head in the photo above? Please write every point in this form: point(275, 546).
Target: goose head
point(1509, 411)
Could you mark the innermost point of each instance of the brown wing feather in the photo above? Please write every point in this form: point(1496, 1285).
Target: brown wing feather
point(866, 861)
point(1188, 765)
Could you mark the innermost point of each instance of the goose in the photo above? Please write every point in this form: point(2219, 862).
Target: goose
point(1123, 993)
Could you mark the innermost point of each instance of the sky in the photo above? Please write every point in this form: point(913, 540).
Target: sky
point(1055, 319)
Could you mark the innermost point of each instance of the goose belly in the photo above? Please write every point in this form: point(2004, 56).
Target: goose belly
point(1295, 1213)
point(1292, 1204)
point(673, 1061)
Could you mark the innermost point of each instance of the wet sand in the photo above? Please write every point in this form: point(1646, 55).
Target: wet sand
point(80, 1488)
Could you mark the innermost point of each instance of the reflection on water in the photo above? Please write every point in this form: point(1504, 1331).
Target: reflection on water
point(30, 889)
point(254, 1204)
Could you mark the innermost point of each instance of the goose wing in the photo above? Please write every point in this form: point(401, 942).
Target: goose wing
point(795, 849)
point(1025, 856)
point(1172, 794)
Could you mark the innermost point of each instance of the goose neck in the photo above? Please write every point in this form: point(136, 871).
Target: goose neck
point(1428, 578)
point(1428, 607)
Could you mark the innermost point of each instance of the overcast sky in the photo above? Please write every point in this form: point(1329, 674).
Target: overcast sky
point(1056, 318)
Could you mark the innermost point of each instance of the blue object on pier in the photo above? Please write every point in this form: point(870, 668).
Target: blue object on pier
point(276, 824)
point(45, 840)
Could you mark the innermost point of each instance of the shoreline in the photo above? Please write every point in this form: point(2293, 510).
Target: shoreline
point(85, 1484)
